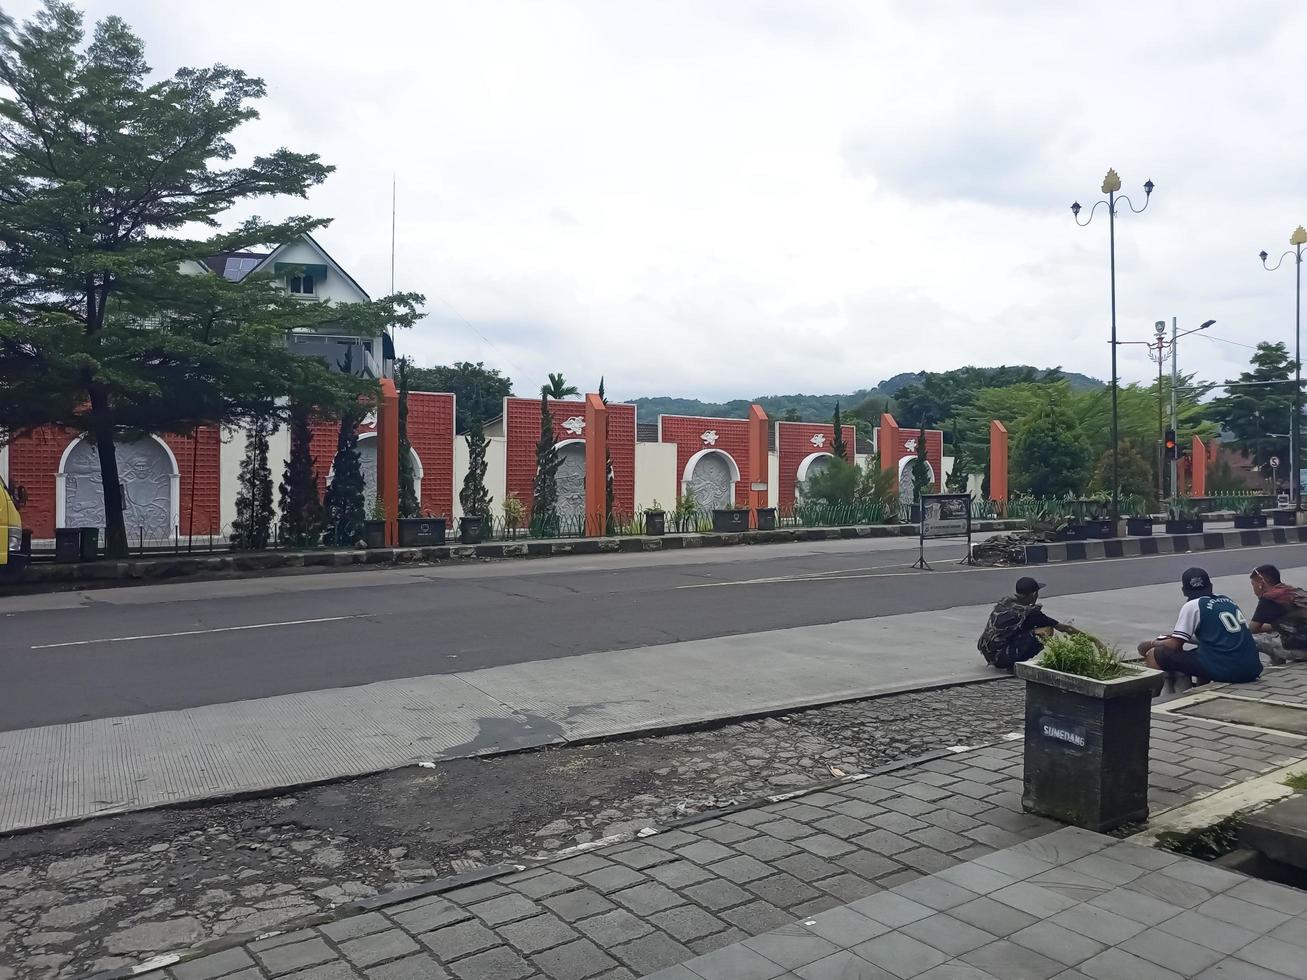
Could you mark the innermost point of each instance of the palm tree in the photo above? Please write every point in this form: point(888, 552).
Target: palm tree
point(558, 388)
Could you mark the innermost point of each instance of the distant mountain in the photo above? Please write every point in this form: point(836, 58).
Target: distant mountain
point(892, 386)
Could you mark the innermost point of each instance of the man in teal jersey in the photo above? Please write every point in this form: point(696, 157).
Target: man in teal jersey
point(1224, 649)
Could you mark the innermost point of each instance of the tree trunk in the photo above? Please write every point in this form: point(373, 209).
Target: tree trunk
point(115, 528)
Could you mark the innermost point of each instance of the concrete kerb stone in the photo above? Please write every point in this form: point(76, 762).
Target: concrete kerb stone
point(50, 576)
point(1168, 544)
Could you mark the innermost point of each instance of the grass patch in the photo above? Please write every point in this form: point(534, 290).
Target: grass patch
point(1296, 781)
point(1205, 843)
point(1082, 655)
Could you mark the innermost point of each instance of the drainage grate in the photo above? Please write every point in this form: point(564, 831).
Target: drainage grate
point(1257, 714)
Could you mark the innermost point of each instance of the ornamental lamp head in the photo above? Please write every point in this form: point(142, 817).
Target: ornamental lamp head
point(1075, 209)
point(1299, 236)
point(1112, 182)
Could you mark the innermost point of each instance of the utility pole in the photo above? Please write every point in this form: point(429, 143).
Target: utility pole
point(1175, 382)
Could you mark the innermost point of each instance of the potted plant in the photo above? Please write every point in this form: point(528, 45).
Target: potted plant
point(374, 528)
point(685, 516)
point(729, 520)
point(421, 532)
point(1182, 517)
point(1284, 517)
point(1070, 521)
point(1248, 514)
point(469, 528)
point(1086, 734)
point(514, 514)
point(655, 519)
point(1139, 525)
point(1096, 516)
point(766, 518)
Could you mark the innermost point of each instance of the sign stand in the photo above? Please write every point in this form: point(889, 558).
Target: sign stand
point(943, 515)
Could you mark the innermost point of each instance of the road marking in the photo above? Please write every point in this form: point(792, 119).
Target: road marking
point(216, 629)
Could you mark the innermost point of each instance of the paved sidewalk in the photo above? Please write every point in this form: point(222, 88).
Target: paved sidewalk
point(61, 773)
point(900, 847)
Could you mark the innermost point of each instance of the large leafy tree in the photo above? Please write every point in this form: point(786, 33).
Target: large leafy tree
point(109, 322)
point(1050, 457)
point(479, 391)
point(1258, 408)
point(558, 388)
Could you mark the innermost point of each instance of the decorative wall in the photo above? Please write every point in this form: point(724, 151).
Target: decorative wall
point(692, 434)
point(796, 442)
point(146, 474)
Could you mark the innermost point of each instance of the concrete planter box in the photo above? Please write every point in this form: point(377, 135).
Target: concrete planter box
point(730, 521)
point(1188, 525)
point(766, 518)
point(421, 532)
point(1247, 522)
point(374, 534)
point(469, 530)
point(1285, 518)
point(655, 522)
point(1086, 746)
point(1100, 529)
point(1073, 532)
point(1139, 527)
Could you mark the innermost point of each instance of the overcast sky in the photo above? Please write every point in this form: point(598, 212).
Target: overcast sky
point(727, 199)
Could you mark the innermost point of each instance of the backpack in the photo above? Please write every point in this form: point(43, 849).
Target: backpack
point(1005, 622)
point(1292, 626)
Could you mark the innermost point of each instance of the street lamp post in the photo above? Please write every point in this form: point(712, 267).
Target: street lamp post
point(1298, 239)
point(1112, 187)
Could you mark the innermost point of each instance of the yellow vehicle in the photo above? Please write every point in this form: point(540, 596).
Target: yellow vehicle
point(12, 558)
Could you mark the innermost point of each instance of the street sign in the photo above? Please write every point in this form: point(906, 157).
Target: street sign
point(1275, 461)
point(943, 515)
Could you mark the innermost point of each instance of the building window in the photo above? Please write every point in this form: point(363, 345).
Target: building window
point(301, 285)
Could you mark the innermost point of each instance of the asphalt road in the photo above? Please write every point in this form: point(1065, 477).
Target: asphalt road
point(76, 656)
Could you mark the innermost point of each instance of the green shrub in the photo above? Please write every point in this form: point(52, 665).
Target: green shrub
point(1082, 655)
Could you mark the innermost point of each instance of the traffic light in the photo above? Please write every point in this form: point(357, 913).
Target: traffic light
point(1171, 445)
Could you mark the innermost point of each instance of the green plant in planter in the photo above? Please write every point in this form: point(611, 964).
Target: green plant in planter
point(655, 507)
point(1248, 507)
point(514, 513)
point(685, 515)
point(1181, 509)
point(378, 510)
point(1082, 655)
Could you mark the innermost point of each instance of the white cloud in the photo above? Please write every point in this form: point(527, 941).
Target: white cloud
point(731, 198)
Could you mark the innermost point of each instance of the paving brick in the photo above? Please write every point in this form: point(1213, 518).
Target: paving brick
point(355, 926)
point(936, 893)
point(1274, 954)
point(434, 915)
point(717, 940)
point(1246, 915)
point(908, 805)
point(1169, 889)
point(949, 935)
point(544, 885)
point(576, 960)
point(378, 948)
point(927, 860)
point(728, 833)
point(420, 967)
point(785, 829)
point(462, 939)
point(801, 810)
point(899, 954)
point(844, 927)
point(678, 874)
point(285, 939)
point(705, 852)
point(1113, 964)
point(1058, 943)
point(687, 922)
point(1008, 960)
point(858, 809)
point(579, 865)
point(717, 894)
point(766, 848)
point(866, 864)
point(756, 917)
point(741, 869)
point(848, 887)
point(840, 825)
point(895, 822)
point(1106, 927)
point(471, 894)
point(825, 845)
point(506, 908)
point(884, 842)
point(336, 970)
point(893, 910)
point(817, 906)
point(578, 904)
point(735, 963)
point(1033, 899)
point(214, 965)
point(791, 946)
point(648, 898)
point(1290, 901)
point(642, 856)
point(613, 878)
point(295, 956)
point(783, 890)
point(808, 867)
point(500, 963)
point(940, 839)
point(1165, 950)
point(537, 933)
point(611, 928)
point(976, 877)
point(652, 952)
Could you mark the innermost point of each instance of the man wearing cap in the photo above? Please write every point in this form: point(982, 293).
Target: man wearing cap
point(1214, 625)
point(1017, 627)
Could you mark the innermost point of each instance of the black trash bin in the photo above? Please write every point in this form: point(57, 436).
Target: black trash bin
point(416, 532)
point(76, 543)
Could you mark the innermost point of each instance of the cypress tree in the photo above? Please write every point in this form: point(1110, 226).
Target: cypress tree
point(344, 504)
point(408, 498)
point(301, 510)
point(474, 497)
point(610, 520)
point(544, 499)
point(920, 468)
point(838, 447)
point(252, 528)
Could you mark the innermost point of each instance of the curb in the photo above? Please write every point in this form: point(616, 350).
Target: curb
point(1166, 544)
point(43, 576)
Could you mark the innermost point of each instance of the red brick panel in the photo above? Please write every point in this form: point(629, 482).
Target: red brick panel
point(431, 434)
point(934, 449)
point(794, 444)
point(322, 447)
point(33, 462)
point(522, 431)
point(200, 456)
point(687, 432)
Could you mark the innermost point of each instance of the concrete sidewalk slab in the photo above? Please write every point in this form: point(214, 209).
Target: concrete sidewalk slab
point(61, 773)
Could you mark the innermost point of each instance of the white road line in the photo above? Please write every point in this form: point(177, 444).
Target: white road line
point(216, 629)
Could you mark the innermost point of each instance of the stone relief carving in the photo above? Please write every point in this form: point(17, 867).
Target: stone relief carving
point(907, 487)
point(819, 440)
point(145, 472)
point(575, 425)
point(710, 482)
point(571, 486)
point(710, 437)
point(368, 463)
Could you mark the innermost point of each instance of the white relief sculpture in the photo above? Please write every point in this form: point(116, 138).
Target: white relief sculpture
point(575, 425)
point(145, 472)
point(819, 440)
point(571, 487)
point(910, 445)
point(709, 438)
point(710, 483)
